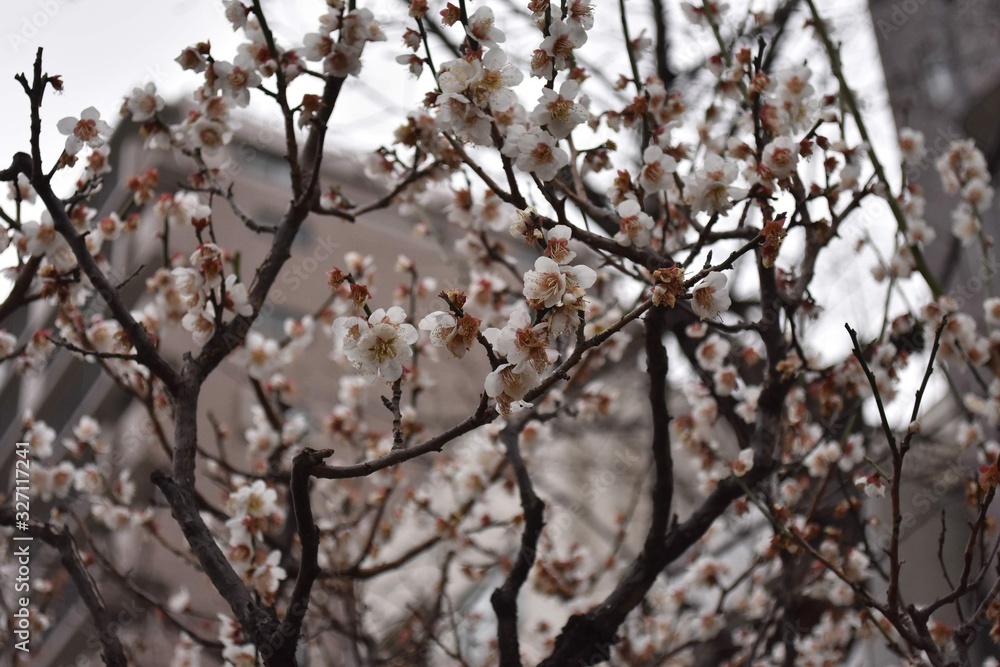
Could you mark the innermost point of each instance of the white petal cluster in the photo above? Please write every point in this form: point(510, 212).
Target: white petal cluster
point(380, 345)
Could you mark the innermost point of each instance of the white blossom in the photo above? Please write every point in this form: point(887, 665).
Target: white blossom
point(710, 296)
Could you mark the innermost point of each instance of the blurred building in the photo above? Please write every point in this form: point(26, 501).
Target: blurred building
point(69, 388)
point(942, 74)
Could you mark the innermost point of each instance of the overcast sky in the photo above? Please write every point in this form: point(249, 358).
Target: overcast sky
point(103, 48)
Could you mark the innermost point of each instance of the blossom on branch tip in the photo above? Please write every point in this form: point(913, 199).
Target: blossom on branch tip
point(743, 463)
point(237, 13)
point(559, 45)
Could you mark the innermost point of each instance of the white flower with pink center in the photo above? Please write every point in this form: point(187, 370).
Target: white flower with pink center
point(494, 82)
point(508, 385)
point(207, 259)
point(144, 103)
point(201, 323)
point(451, 332)
point(711, 189)
point(85, 130)
point(268, 575)
point(657, 173)
point(635, 226)
point(781, 156)
point(710, 296)
point(236, 79)
point(563, 38)
point(482, 28)
point(557, 244)
point(261, 356)
point(380, 345)
point(552, 286)
point(559, 112)
point(538, 152)
point(522, 342)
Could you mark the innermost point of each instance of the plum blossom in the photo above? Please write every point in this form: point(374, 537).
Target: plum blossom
point(22, 189)
point(268, 575)
point(236, 12)
point(635, 225)
point(187, 653)
point(557, 244)
point(521, 342)
point(378, 345)
point(42, 238)
point(791, 103)
point(494, 212)
point(961, 163)
point(558, 47)
point(454, 333)
point(86, 130)
point(780, 157)
point(912, 145)
point(711, 353)
point(182, 209)
point(243, 655)
point(657, 170)
point(494, 81)
point(206, 132)
point(236, 299)
point(201, 323)
point(207, 259)
point(874, 486)
point(545, 286)
point(558, 112)
point(581, 13)
point(38, 435)
point(236, 79)
point(252, 507)
point(509, 384)
point(261, 356)
point(710, 189)
point(537, 151)
point(710, 296)
point(965, 224)
point(464, 118)
point(482, 29)
point(144, 103)
point(743, 463)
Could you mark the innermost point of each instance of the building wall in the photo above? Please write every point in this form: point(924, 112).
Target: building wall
point(942, 70)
